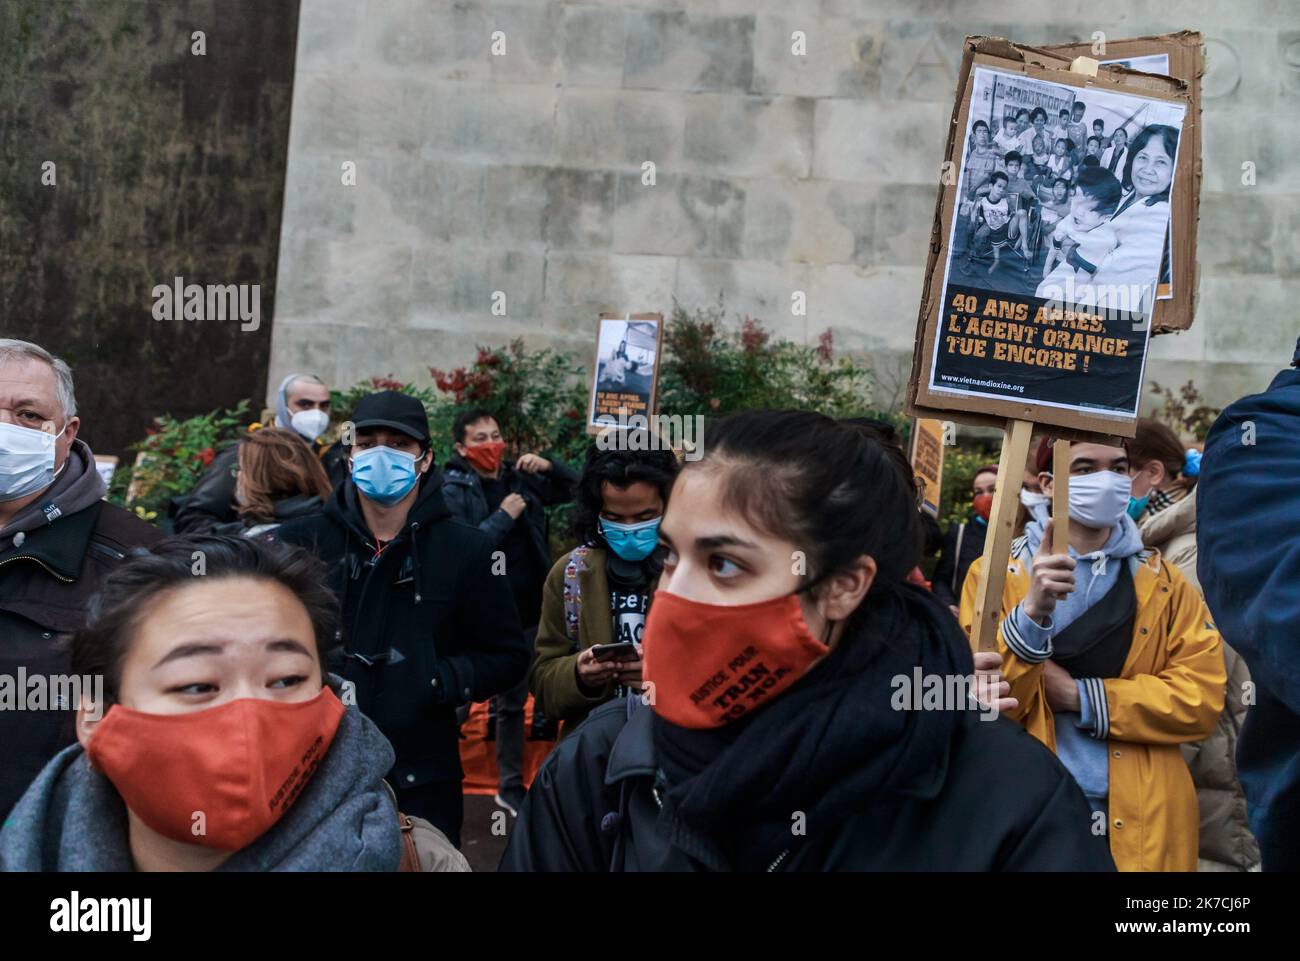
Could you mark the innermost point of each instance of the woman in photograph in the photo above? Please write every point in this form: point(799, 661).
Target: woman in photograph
point(1036, 131)
point(1125, 280)
point(774, 736)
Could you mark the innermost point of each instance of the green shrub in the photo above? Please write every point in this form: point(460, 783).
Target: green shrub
point(174, 454)
point(1184, 411)
point(538, 397)
point(712, 369)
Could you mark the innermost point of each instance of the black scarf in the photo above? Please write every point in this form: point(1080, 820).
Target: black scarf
point(829, 745)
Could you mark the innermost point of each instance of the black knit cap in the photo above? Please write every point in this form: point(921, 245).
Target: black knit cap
point(394, 410)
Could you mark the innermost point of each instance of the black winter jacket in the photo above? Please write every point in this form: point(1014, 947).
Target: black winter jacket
point(46, 584)
point(462, 489)
point(1006, 805)
point(426, 624)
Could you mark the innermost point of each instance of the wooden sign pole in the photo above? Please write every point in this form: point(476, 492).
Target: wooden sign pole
point(1061, 497)
point(997, 542)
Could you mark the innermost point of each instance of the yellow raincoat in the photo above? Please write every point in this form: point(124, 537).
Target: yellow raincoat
point(1169, 692)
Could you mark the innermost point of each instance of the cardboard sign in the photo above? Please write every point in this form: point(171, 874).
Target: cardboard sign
point(927, 462)
point(1041, 282)
point(1177, 55)
point(626, 370)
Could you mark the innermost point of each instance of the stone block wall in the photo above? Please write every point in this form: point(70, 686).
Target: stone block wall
point(523, 173)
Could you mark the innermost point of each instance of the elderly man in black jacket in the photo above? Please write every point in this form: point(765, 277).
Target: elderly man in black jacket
point(507, 500)
point(427, 623)
point(302, 406)
point(58, 541)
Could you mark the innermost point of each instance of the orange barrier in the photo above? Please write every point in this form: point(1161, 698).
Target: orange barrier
point(478, 754)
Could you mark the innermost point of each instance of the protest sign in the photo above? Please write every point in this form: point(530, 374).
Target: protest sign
point(626, 370)
point(927, 462)
point(1042, 281)
point(1043, 268)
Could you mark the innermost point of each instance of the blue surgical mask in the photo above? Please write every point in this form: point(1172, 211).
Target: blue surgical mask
point(383, 474)
point(1136, 505)
point(632, 542)
point(26, 460)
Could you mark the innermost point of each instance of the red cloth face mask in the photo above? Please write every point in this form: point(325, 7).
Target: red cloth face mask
point(240, 764)
point(712, 664)
point(983, 504)
point(486, 457)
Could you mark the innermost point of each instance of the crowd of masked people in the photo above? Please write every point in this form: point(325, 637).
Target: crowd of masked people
point(281, 679)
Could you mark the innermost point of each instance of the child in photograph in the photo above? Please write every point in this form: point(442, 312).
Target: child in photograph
point(1077, 131)
point(1062, 129)
point(1099, 131)
point(1020, 196)
point(995, 212)
point(1096, 199)
point(1093, 149)
point(1055, 202)
point(1060, 164)
point(1038, 161)
point(1008, 138)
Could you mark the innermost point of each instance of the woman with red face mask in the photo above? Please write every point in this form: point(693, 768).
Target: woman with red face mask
point(213, 740)
point(964, 542)
point(781, 726)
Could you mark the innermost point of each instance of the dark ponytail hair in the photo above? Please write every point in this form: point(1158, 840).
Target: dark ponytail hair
point(835, 489)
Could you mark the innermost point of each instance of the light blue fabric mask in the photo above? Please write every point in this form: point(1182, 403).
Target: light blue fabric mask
point(383, 474)
point(1136, 505)
point(632, 542)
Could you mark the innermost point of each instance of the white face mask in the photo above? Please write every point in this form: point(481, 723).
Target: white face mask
point(26, 460)
point(1032, 499)
point(310, 423)
point(1100, 499)
point(1036, 504)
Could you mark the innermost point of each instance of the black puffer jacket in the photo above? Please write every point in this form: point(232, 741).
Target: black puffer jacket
point(828, 776)
point(426, 624)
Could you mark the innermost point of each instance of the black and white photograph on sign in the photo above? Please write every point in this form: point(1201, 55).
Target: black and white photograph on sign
point(1063, 202)
point(625, 370)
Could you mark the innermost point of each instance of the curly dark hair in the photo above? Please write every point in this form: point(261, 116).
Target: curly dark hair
point(622, 468)
point(100, 647)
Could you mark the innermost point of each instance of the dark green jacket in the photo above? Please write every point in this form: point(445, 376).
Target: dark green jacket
point(553, 679)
